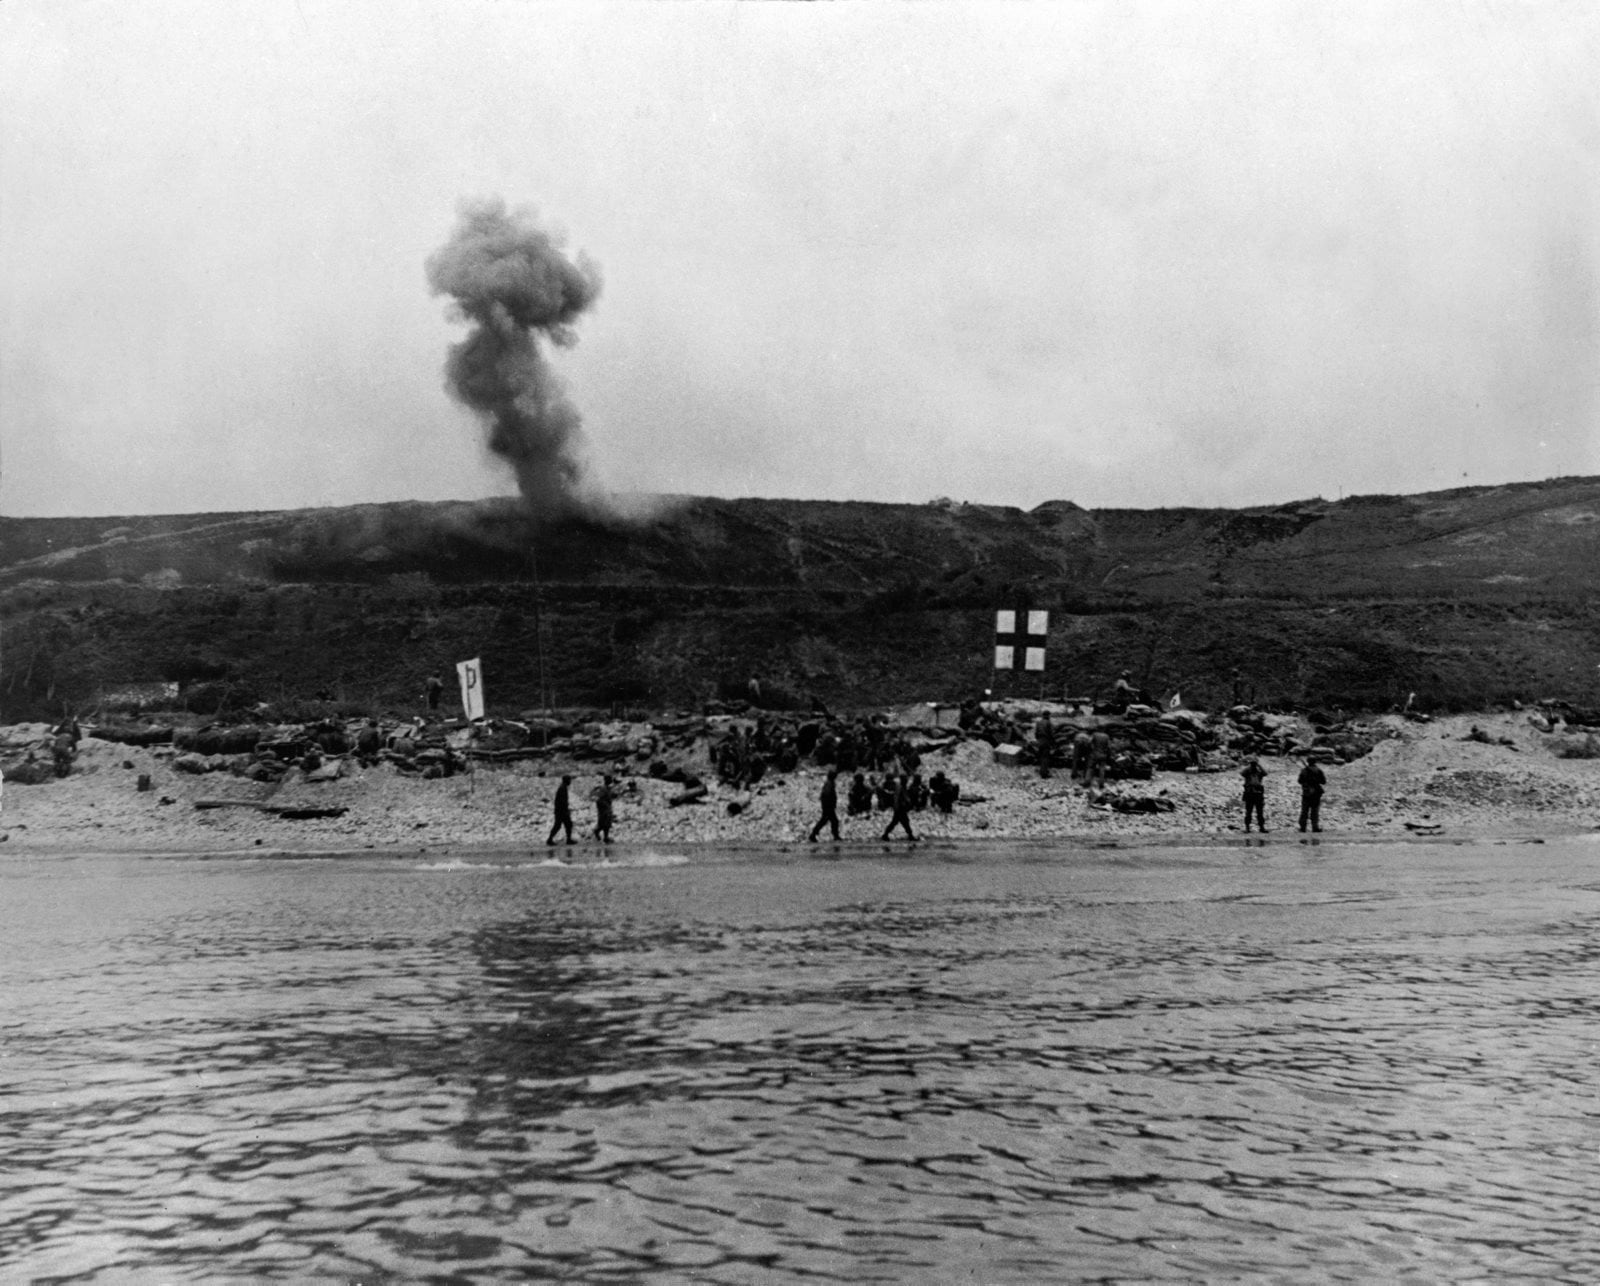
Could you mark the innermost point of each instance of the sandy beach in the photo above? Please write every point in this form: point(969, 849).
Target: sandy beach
point(1423, 780)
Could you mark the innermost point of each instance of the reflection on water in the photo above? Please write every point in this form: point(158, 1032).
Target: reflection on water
point(1361, 1062)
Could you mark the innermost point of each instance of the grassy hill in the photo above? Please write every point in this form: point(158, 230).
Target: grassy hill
point(1469, 598)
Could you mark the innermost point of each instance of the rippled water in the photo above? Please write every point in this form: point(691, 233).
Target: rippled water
point(1284, 1062)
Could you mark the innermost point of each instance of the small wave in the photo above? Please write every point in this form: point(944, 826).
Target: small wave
point(460, 865)
point(648, 858)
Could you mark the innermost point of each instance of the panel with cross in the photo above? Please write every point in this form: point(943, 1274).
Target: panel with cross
point(1020, 634)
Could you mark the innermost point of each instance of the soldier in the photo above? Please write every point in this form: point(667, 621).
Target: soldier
point(902, 810)
point(845, 756)
point(1312, 781)
point(369, 741)
point(435, 690)
point(1080, 757)
point(604, 803)
point(1255, 794)
point(1099, 757)
point(917, 792)
point(69, 727)
point(1044, 737)
point(61, 749)
point(563, 805)
point(829, 799)
point(1123, 696)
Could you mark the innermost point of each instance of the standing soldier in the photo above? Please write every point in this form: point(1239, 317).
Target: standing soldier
point(1123, 694)
point(435, 690)
point(1099, 756)
point(829, 799)
point(1044, 737)
point(1255, 794)
point(1312, 781)
point(61, 749)
point(902, 810)
point(563, 811)
point(604, 802)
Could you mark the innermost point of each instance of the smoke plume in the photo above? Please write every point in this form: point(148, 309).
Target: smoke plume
point(513, 283)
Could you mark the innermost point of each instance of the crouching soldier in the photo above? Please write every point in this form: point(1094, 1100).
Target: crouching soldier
point(369, 741)
point(944, 792)
point(1080, 757)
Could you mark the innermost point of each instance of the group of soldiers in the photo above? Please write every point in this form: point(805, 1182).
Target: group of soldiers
point(1090, 752)
point(604, 798)
point(743, 757)
point(1312, 781)
point(899, 794)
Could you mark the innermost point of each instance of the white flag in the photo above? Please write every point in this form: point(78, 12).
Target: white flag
point(471, 675)
point(1175, 703)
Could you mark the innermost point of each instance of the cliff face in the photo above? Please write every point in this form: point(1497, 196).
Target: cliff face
point(1467, 597)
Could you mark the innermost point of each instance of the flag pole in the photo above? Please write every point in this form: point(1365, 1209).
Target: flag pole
point(538, 645)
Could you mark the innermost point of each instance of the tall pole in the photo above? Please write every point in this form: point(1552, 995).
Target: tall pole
point(538, 640)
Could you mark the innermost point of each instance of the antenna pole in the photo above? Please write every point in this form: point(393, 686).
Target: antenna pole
point(538, 641)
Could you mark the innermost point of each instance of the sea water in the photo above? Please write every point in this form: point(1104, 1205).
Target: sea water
point(1281, 1061)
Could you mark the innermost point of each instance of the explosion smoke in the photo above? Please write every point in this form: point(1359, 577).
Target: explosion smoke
point(512, 281)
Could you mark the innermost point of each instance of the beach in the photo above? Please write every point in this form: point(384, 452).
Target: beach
point(1422, 779)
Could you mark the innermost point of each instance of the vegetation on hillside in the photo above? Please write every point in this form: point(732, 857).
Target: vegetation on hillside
point(1468, 599)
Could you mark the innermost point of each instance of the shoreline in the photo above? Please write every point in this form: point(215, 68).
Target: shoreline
point(1423, 782)
point(592, 855)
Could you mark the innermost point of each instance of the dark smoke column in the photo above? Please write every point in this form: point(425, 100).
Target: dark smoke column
point(512, 282)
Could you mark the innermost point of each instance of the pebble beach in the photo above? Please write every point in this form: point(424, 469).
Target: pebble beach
point(1423, 779)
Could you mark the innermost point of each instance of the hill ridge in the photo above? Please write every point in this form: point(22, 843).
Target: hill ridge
point(1470, 595)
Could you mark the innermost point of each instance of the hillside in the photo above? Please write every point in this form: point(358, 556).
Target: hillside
point(1469, 598)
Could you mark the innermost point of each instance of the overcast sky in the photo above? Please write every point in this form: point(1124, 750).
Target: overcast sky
point(1123, 254)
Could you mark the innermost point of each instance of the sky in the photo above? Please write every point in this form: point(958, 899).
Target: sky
point(1126, 254)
